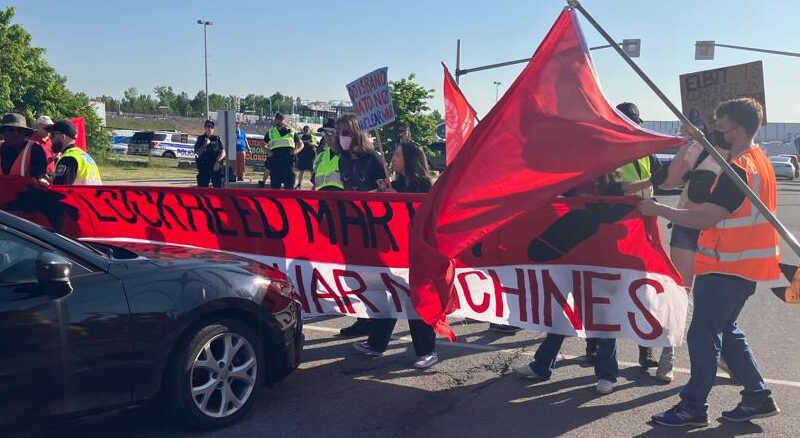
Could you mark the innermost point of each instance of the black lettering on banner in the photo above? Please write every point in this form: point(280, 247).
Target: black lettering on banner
point(97, 214)
point(153, 223)
point(199, 207)
point(411, 210)
point(163, 209)
point(113, 194)
point(358, 220)
point(269, 231)
point(215, 211)
point(243, 213)
point(383, 221)
point(323, 212)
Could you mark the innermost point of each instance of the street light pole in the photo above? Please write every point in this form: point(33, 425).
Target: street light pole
point(205, 25)
point(496, 91)
point(704, 50)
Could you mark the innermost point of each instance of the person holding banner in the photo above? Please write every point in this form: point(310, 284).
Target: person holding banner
point(413, 176)
point(362, 170)
point(326, 176)
point(737, 248)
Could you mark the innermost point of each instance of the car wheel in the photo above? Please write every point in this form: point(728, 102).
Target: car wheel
point(169, 155)
point(216, 375)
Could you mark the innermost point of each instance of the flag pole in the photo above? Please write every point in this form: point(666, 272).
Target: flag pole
point(696, 134)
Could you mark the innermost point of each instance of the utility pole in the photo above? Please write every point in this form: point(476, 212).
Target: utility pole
point(205, 25)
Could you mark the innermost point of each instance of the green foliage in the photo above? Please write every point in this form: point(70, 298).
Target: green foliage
point(31, 87)
point(410, 102)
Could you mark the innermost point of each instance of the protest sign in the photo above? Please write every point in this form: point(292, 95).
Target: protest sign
point(703, 90)
point(590, 267)
point(372, 101)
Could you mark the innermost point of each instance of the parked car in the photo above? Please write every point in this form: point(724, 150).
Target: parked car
point(783, 167)
point(91, 327)
point(795, 163)
point(165, 144)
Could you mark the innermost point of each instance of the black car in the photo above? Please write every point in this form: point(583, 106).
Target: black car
point(91, 327)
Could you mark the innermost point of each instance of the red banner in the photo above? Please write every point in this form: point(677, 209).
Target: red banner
point(580, 266)
point(80, 126)
point(460, 118)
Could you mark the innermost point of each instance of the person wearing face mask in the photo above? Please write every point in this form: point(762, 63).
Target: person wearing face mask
point(18, 155)
point(737, 248)
point(76, 166)
point(362, 170)
point(413, 176)
point(326, 175)
point(283, 144)
point(210, 154)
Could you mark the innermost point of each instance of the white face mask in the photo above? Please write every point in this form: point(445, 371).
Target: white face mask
point(345, 142)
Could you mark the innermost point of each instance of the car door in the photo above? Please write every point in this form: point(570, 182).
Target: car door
point(31, 373)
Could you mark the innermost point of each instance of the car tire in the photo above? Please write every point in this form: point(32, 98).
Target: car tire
point(169, 155)
point(202, 390)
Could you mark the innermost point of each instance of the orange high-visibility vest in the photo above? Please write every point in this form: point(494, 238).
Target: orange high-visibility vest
point(22, 164)
point(745, 244)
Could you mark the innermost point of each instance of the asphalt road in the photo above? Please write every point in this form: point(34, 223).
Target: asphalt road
point(472, 392)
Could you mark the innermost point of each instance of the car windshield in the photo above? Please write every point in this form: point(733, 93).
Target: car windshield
point(81, 244)
point(785, 160)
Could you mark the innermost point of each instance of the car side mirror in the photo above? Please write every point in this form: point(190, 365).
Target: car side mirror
point(52, 274)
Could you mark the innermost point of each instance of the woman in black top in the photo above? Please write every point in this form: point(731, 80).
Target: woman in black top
point(305, 159)
point(413, 176)
point(361, 170)
point(210, 154)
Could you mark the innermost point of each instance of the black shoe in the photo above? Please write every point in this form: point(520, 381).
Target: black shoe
point(746, 412)
point(646, 357)
point(261, 184)
point(359, 328)
point(504, 329)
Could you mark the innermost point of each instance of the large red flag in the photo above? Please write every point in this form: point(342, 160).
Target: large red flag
point(459, 116)
point(80, 126)
point(552, 130)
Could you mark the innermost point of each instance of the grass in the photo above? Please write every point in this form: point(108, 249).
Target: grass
point(128, 169)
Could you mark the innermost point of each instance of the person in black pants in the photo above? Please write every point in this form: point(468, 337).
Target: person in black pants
point(210, 154)
point(413, 176)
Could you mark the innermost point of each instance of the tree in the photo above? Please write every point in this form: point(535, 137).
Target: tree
point(410, 102)
point(31, 87)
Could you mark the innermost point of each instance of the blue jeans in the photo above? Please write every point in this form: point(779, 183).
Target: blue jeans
point(718, 300)
point(605, 366)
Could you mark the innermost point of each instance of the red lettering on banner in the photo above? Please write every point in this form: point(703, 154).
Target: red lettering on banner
point(316, 281)
point(657, 329)
point(534, 295)
point(589, 300)
point(392, 287)
point(338, 275)
point(551, 292)
point(519, 291)
point(462, 279)
point(301, 286)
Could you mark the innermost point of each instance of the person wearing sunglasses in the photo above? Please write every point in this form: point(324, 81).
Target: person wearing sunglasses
point(326, 176)
point(210, 153)
point(20, 156)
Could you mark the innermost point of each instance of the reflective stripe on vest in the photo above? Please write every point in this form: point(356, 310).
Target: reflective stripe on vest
point(277, 141)
point(636, 171)
point(88, 173)
point(326, 171)
point(744, 244)
point(22, 164)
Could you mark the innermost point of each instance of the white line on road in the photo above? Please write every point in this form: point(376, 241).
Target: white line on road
point(527, 353)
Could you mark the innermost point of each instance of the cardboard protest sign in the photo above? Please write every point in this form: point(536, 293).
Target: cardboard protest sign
point(703, 90)
point(372, 101)
point(584, 266)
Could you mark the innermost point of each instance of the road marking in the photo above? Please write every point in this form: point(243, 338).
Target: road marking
point(480, 347)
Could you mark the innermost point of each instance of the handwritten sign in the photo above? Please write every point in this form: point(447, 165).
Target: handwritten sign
point(703, 90)
point(371, 99)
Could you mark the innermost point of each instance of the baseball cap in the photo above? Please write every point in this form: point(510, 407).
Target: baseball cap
point(65, 127)
point(631, 111)
point(44, 121)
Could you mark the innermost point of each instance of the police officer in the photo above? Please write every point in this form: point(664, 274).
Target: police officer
point(283, 145)
point(210, 154)
point(326, 174)
point(76, 166)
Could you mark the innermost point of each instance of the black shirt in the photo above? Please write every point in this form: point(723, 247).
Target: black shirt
point(726, 194)
point(38, 164)
point(402, 185)
point(208, 154)
point(361, 173)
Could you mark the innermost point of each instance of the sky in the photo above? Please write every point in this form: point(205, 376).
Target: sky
point(313, 48)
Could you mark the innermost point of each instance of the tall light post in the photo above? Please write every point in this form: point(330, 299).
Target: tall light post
point(704, 50)
point(496, 91)
point(205, 25)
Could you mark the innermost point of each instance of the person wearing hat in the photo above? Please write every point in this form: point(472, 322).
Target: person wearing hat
point(18, 155)
point(210, 153)
point(76, 166)
point(283, 144)
point(42, 137)
point(326, 176)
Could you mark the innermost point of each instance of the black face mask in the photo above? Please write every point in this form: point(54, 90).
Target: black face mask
point(719, 140)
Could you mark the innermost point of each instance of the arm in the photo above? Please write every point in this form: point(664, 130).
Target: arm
point(636, 187)
point(66, 172)
point(698, 216)
point(298, 145)
point(677, 169)
point(38, 166)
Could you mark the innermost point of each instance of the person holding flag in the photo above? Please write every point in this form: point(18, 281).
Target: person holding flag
point(737, 248)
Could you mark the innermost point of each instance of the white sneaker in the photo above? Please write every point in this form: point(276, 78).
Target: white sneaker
point(426, 361)
point(666, 364)
point(527, 372)
point(604, 386)
point(365, 348)
point(665, 375)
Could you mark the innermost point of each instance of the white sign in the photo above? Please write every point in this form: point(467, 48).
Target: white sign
point(372, 101)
